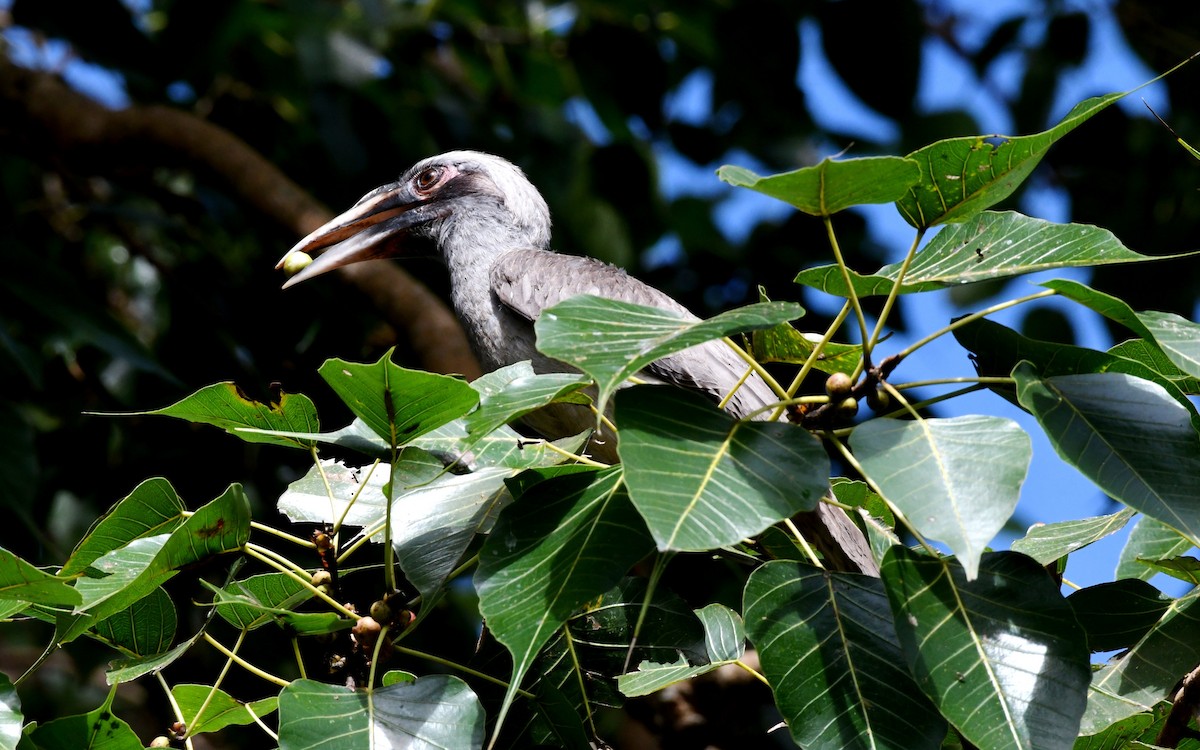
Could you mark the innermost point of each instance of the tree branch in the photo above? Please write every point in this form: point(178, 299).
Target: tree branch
point(44, 113)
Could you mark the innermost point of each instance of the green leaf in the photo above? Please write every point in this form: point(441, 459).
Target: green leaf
point(98, 729)
point(830, 652)
point(502, 447)
point(998, 349)
point(145, 628)
point(1047, 542)
point(962, 176)
point(128, 670)
point(1178, 337)
point(1150, 670)
point(252, 602)
point(435, 514)
point(1118, 614)
point(433, 524)
point(993, 245)
point(832, 186)
point(396, 403)
point(1147, 354)
point(226, 406)
point(1001, 656)
point(956, 480)
point(11, 717)
point(724, 640)
point(1107, 305)
point(1125, 434)
point(703, 479)
point(563, 542)
point(1185, 568)
point(398, 677)
point(437, 711)
point(611, 340)
point(601, 642)
point(783, 343)
point(21, 581)
point(221, 711)
point(133, 571)
point(1149, 540)
point(151, 509)
point(512, 392)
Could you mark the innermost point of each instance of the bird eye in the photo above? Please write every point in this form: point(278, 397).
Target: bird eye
point(427, 178)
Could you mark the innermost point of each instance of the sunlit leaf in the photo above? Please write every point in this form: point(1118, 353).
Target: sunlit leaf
point(832, 186)
point(783, 343)
point(1125, 434)
point(250, 603)
point(962, 176)
point(152, 508)
point(220, 710)
point(956, 480)
point(10, 715)
point(1178, 337)
point(611, 340)
point(992, 245)
point(434, 713)
point(1149, 540)
point(398, 404)
point(1049, 541)
point(225, 405)
point(131, 572)
point(20, 580)
point(1001, 656)
point(563, 542)
point(724, 640)
point(512, 392)
point(702, 479)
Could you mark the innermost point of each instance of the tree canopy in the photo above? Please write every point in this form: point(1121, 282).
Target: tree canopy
point(142, 233)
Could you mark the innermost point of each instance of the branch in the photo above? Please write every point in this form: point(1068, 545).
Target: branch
point(47, 116)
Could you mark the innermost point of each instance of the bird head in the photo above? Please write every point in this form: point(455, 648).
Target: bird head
point(460, 198)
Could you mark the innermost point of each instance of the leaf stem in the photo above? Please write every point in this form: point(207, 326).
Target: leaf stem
point(281, 534)
point(459, 667)
point(753, 672)
point(851, 294)
point(895, 290)
point(187, 740)
point(804, 545)
point(217, 683)
point(245, 664)
point(973, 317)
point(756, 366)
point(257, 553)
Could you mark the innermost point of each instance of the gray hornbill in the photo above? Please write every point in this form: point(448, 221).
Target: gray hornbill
point(492, 228)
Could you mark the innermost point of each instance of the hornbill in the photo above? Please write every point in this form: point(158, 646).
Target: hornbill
point(492, 228)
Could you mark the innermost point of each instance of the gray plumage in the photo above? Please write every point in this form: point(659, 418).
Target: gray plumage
point(492, 228)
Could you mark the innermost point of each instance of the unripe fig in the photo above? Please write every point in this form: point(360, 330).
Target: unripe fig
point(847, 407)
point(160, 741)
point(296, 262)
point(838, 386)
point(321, 578)
point(879, 399)
point(381, 611)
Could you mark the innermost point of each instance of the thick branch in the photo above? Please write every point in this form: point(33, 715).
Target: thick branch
point(43, 112)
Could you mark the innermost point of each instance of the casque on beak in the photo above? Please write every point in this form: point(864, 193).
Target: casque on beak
point(375, 227)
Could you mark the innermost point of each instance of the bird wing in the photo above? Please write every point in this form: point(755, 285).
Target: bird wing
point(529, 281)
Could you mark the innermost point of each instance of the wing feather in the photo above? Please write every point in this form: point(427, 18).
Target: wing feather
point(529, 281)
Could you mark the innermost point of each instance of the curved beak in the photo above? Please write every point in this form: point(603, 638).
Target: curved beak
point(375, 227)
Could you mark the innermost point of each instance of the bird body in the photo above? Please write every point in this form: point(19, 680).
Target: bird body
point(492, 228)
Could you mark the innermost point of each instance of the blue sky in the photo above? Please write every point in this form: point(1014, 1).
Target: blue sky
point(1053, 491)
